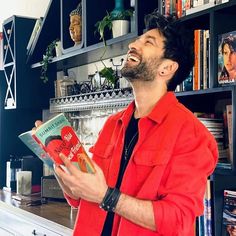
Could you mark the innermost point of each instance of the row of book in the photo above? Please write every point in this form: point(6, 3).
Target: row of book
point(205, 222)
point(221, 129)
point(200, 76)
point(186, 7)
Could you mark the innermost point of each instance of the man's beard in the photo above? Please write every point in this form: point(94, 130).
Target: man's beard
point(145, 71)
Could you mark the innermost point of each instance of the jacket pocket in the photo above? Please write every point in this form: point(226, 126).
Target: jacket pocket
point(151, 157)
point(148, 166)
point(102, 151)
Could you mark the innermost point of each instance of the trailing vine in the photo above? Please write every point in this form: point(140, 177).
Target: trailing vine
point(47, 58)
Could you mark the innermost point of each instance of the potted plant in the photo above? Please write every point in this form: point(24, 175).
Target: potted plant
point(118, 23)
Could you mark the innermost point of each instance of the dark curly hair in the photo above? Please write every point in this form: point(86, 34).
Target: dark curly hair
point(178, 44)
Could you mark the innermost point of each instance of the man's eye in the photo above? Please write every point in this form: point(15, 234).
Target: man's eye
point(149, 42)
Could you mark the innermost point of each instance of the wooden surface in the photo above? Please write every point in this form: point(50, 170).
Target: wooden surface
point(56, 211)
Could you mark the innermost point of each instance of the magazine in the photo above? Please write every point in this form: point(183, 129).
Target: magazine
point(229, 211)
point(227, 58)
point(54, 137)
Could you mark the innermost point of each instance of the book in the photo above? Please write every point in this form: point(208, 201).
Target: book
point(57, 136)
point(31, 143)
point(23, 200)
point(207, 210)
point(229, 211)
point(199, 8)
point(226, 58)
point(230, 131)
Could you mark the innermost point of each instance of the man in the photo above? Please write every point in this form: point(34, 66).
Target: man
point(152, 159)
point(228, 49)
point(76, 25)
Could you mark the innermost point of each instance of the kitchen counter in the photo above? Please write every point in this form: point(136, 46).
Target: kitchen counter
point(53, 215)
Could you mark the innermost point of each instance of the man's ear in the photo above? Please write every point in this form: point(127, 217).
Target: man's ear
point(168, 67)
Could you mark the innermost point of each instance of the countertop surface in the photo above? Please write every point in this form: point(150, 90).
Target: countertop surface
point(56, 211)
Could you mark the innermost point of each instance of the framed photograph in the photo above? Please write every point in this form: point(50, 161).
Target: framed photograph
point(227, 58)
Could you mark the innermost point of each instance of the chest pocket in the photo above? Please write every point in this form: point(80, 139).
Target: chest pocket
point(149, 166)
point(151, 157)
point(102, 155)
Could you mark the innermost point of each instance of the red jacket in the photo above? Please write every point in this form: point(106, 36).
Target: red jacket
point(170, 164)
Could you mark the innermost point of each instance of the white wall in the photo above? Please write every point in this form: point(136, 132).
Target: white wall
point(30, 8)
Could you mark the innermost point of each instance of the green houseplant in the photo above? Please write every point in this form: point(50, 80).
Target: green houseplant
point(107, 23)
point(47, 58)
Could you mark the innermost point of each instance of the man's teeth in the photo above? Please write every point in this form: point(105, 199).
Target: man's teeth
point(133, 58)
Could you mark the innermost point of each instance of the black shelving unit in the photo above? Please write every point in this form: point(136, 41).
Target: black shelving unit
point(92, 47)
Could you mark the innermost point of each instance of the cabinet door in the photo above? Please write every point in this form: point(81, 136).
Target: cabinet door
point(6, 232)
point(18, 222)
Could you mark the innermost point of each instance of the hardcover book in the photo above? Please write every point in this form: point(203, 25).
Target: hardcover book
point(227, 58)
point(54, 137)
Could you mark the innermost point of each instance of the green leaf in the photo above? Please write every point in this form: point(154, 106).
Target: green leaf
point(108, 73)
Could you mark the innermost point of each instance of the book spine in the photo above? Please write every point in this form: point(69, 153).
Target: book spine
point(196, 82)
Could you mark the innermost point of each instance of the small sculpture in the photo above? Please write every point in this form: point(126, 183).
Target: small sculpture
point(76, 24)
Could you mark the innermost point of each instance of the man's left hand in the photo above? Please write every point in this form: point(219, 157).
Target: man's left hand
point(91, 187)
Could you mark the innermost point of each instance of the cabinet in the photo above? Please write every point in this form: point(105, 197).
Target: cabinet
point(11, 56)
point(15, 221)
point(22, 93)
point(218, 20)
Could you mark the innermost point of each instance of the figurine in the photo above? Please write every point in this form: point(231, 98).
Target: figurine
point(76, 24)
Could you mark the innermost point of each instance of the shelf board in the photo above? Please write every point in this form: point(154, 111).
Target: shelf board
point(95, 100)
point(115, 47)
point(205, 91)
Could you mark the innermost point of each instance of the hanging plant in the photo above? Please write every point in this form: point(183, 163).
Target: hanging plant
point(47, 58)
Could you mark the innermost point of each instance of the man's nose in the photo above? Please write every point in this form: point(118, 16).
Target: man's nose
point(135, 44)
point(71, 27)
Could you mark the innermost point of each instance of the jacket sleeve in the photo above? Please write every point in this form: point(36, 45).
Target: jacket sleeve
point(72, 202)
point(181, 196)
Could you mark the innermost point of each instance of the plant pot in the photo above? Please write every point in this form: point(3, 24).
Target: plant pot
point(120, 27)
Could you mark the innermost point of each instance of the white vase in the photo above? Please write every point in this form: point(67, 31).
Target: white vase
point(58, 49)
point(120, 27)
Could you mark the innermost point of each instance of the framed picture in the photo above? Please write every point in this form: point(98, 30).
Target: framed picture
point(227, 58)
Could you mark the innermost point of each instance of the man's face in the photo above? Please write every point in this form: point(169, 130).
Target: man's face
point(144, 57)
point(75, 28)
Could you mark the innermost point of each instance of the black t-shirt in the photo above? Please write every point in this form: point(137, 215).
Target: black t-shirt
point(131, 138)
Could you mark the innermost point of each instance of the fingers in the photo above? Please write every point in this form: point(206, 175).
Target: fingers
point(38, 123)
point(70, 168)
point(96, 167)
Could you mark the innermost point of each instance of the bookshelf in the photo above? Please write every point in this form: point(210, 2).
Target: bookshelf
point(218, 19)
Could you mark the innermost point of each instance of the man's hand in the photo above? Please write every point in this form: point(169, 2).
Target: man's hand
point(91, 187)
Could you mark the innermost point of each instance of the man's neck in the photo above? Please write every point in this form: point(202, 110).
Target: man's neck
point(146, 95)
